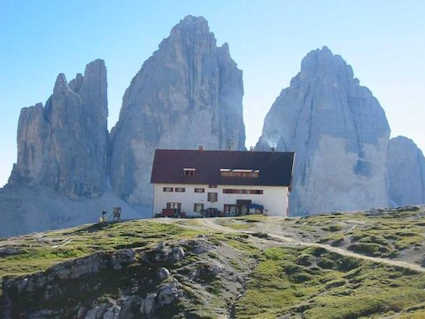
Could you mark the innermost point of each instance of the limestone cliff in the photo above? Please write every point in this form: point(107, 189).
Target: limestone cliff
point(406, 171)
point(63, 145)
point(188, 93)
point(340, 135)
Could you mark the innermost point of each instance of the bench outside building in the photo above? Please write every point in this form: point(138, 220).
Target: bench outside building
point(201, 183)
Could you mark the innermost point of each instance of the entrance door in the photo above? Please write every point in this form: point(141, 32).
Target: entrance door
point(231, 210)
point(175, 205)
point(243, 206)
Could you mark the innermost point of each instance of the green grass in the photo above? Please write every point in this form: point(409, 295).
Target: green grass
point(242, 222)
point(417, 314)
point(307, 281)
point(40, 254)
point(297, 281)
point(234, 224)
point(383, 235)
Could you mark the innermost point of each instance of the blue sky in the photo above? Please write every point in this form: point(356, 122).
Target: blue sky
point(384, 41)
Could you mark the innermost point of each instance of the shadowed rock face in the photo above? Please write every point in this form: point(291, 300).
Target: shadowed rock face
point(188, 93)
point(339, 133)
point(63, 145)
point(406, 172)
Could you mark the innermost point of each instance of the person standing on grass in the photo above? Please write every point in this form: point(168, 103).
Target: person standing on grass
point(103, 218)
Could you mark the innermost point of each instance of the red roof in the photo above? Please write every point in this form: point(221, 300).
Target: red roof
point(275, 168)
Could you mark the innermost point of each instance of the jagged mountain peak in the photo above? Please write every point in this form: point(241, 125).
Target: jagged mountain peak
point(191, 33)
point(322, 62)
point(191, 22)
point(61, 85)
point(400, 139)
point(96, 63)
point(63, 145)
point(188, 93)
point(326, 117)
point(95, 71)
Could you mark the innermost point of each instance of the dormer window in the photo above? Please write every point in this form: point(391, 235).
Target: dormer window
point(227, 172)
point(189, 171)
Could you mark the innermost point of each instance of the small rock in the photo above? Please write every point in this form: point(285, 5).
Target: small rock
point(200, 246)
point(112, 313)
point(167, 294)
point(148, 304)
point(161, 246)
point(123, 257)
point(177, 254)
point(163, 273)
point(206, 271)
point(129, 307)
point(9, 251)
point(96, 312)
point(81, 312)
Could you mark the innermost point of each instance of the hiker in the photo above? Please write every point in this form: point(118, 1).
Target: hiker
point(117, 214)
point(103, 218)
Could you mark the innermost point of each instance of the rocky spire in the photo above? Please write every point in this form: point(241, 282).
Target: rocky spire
point(64, 144)
point(188, 93)
point(61, 86)
point(406, 172)
point(339, 133)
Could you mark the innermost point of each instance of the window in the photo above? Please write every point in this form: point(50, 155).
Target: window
point(212, 186)
point(167, 189)
point(212, 197)
point(242, 191)
point(198, 207)
point(227, 172)
point(199, 190)
point(174, 205)
point(256, 191)
point(189, 171)
point(180, 189)
point(231, 210)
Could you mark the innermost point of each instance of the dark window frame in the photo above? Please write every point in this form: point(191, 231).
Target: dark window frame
point(212, 197)
point(189, 171)
point(198, 204)
point(243, 191)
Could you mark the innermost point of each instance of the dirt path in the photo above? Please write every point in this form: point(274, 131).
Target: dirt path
point(211, 224)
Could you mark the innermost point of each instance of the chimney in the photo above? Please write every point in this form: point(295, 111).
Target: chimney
point(200, 148)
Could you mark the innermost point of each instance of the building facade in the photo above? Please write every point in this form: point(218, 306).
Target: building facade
point(221, 183)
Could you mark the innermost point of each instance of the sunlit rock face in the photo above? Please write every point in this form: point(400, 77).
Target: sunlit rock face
point(340, 135)
point(64, 144)
point(406, 171)
point(188, 93)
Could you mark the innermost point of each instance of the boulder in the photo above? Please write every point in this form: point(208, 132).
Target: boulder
point(112, 312)
point(177, 254)
point(167, 294)
point(96, 312)
point(148, 304)
point(164, 254)
point(70, 270)
point(163, 273)
point(9, 251)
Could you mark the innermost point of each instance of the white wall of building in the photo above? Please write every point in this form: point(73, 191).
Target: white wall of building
point(274, 198)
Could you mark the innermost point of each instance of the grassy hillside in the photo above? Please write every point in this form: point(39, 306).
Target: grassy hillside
point(359, 265)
